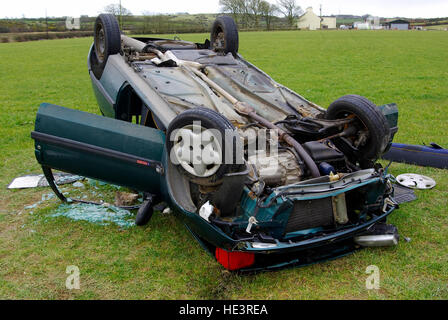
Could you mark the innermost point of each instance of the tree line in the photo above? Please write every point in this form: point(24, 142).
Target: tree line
point(248, 13)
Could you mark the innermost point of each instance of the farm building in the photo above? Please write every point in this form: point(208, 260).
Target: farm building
point(328, 22)
point(311, 21)
point(361, 25)
point(370, 23)
point(398, 25)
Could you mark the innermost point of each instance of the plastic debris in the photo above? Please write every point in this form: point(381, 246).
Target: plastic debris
point(101, 215)
point(38, 180)
point(206, 211)
point(252, 220)
point(31, 181)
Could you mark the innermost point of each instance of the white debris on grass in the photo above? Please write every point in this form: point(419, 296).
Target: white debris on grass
point(39, 180)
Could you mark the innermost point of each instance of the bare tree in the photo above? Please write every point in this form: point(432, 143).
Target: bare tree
point(268, 10)
point(244, 12)
point(290, 10)
point(119, 11)
point(239, 9)
point(255, 7)
point(232, 7)
point(115, 9)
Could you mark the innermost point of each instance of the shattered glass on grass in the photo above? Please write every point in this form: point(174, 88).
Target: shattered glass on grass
point(98, 183)
point(102, 215)
point(99, 214)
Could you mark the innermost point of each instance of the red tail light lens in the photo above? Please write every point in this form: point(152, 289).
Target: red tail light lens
point(234, 260)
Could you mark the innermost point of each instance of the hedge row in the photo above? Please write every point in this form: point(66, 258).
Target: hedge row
point(22, 37)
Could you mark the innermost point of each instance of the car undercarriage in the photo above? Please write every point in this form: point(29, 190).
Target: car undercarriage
point(262, 177)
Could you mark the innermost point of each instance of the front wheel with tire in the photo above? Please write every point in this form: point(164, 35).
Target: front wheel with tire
point(372, 134)
point(197, 142)
point(106, 42)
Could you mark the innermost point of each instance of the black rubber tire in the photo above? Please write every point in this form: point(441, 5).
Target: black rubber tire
point(210, 119)
point(229, 29)
point(144, 213)
point(371, 117)
point(106, 25)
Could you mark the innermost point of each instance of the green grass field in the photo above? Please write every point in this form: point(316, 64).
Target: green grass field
point(162, 260)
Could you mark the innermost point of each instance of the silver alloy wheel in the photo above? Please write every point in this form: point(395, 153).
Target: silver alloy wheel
point(197, 150)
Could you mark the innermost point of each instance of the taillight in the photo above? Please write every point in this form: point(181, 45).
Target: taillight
point(234, 260)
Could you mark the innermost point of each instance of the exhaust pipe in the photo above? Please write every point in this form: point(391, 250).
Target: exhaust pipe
point(133, 43)
point(379, 235)
point(382, 240)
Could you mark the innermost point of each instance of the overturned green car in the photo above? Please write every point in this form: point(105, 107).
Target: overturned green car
point(262, 177)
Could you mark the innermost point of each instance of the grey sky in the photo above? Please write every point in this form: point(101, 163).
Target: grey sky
point(385, 8)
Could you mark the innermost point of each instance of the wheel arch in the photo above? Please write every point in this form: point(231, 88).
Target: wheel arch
point(129, 104)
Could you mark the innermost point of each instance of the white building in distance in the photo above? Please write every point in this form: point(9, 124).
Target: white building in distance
point(371, 23)
point(311, 21)
point(73, 23)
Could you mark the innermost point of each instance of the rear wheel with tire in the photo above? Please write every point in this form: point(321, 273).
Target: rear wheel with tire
point(372, 135)
point(224, 35)
point(106, 42)
point(197, 144)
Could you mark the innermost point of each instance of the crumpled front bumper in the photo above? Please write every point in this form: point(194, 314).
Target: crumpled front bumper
point(301, 253)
